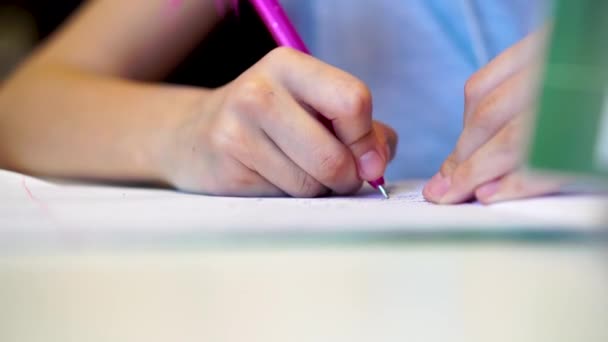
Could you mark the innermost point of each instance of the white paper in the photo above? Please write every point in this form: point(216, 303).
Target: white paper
point(31, 207)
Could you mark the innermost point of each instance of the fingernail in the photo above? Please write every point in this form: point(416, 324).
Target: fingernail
point(438, 186)
point(370, 165)
point(487, 191)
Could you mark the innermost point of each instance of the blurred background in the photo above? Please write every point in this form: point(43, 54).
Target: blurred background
point(236, 44)
point(24, 23)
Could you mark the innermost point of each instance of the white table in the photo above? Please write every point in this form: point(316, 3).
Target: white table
point(424, 291)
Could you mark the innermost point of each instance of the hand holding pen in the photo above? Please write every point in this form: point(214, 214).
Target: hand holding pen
point(284, 34)
point(261, 134)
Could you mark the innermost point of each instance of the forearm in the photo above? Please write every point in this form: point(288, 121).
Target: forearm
point(74, 108)
point(58, 121)
point(136, 39)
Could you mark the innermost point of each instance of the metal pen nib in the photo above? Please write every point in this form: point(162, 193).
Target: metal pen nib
point(379, 184)
point(383, 191)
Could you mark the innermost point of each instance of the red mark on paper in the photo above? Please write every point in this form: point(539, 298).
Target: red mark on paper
point(33, 198)
point(72, 239)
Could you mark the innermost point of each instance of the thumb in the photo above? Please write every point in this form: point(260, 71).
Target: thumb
point(374, 151)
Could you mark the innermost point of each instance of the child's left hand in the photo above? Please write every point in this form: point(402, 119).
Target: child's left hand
point(486, 163)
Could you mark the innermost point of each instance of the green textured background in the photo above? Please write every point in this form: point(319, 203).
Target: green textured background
point(574, 90)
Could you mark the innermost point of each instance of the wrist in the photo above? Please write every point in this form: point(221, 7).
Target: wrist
point(178, 114)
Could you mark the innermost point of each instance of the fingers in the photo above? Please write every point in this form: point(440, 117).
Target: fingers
point(333, 93)
point(238, 180)
point(502, 104)
point(340, 98)
point(498, 99)
point(436, 187)
point(501, 155)
point(313, 148)
point(517, 185)
point(272, 164)
point(494, 95)
point(527, 51)
point(250, 184)
point(251, 164)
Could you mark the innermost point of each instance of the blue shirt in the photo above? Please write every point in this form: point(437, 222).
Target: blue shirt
point(415, 55)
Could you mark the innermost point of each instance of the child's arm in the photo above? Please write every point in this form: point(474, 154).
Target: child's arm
point(140, 39)
point(77, 108)
point(65, 114)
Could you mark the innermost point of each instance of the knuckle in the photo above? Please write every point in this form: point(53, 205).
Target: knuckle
point(220, 139)
point(464, 173)
point(358, 102)
point(483, 118)
point(515, 184)
point(332, 164)
point(509, 138)
point(307, 186)
point(228, 138)
point(230, 178)
point(278, 56)
point(253, 96)
point(213, 182)
point(472, 88)
point(239, 181)
point(511, 141)
point(448, 165)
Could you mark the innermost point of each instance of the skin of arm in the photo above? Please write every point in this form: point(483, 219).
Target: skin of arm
point(84, 105)
point(78, 106)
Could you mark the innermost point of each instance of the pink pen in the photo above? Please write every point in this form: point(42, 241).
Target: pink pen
point(284, 33)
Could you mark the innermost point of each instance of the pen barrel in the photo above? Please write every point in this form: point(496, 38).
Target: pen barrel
point(274, 17)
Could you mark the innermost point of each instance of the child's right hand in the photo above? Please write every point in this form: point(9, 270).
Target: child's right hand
point(260, 135)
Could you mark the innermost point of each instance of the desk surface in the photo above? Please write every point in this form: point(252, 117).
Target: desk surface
point(398, 292)
point(36, 211)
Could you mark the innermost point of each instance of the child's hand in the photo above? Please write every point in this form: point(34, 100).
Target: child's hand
point(486, 162)
point(260, 135)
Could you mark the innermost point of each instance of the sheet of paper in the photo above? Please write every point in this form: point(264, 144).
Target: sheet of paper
point(33, 208)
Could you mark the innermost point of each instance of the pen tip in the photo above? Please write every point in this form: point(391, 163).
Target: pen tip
point(383, 191)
